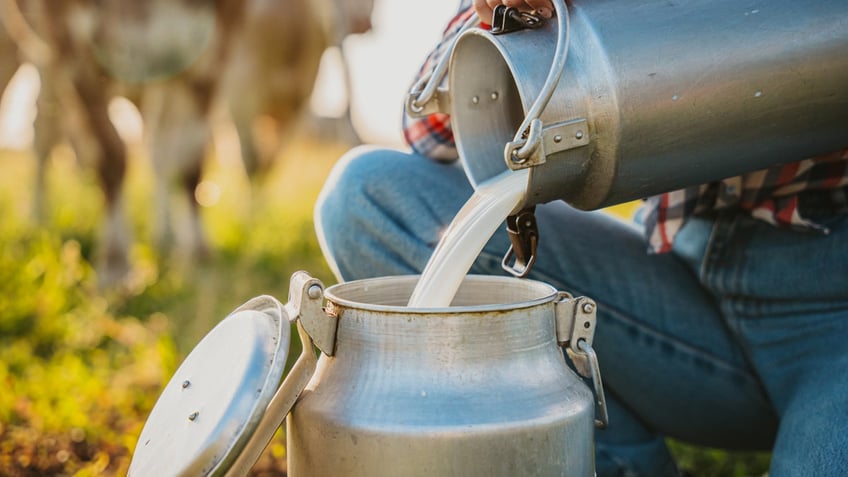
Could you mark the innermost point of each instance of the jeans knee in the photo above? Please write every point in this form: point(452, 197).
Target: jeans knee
point(346, 196)
point(349, 184)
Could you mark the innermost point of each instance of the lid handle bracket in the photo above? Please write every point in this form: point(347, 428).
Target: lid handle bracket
point(305, 305)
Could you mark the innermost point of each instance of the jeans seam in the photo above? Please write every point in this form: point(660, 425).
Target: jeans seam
point(734, 326)
point(681, 345)
point(723, 229)
point(712, 249)
point(739, 267)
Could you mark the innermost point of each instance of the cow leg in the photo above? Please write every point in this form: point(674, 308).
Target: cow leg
point(9, 62)
point(155, 132)
point(243, 110)
point(246, 93)
point(337, 126)
point(178, 133)
point(74, 69)
point(346, 130)
point(190, 180)
point(111, 161)
point(202, 94)
point(47, 135)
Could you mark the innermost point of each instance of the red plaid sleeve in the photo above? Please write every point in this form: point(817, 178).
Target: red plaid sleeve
point(432, 136)
point(771, 195)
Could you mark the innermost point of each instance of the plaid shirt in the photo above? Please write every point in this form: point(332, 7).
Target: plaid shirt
point(432, 136)
point(772, 194)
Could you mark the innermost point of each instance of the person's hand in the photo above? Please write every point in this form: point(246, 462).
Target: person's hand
point(485, 8)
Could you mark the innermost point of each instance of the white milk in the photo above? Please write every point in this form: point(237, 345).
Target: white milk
point(462, 242)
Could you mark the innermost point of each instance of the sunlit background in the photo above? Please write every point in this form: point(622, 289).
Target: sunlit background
point(113, 350)
point(382, 62)
point(82, 361)
point(81, 364)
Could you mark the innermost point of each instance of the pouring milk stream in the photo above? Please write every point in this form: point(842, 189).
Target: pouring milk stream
point(464, 239)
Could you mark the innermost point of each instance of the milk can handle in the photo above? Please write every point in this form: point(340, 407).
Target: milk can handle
point(529, 135)
point(424, 90)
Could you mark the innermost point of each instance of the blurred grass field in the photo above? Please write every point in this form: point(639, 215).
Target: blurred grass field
point(82, 367)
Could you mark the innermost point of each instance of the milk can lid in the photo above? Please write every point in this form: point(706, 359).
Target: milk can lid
point(218, 396)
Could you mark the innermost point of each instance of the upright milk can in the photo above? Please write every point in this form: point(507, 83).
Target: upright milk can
point(478, 388)
point(613, 101)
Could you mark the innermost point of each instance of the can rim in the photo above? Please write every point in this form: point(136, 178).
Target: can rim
point(400, 288)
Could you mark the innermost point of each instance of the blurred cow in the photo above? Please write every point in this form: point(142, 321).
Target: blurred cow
point(271, 77)
point(170, 57)
point(8, 57)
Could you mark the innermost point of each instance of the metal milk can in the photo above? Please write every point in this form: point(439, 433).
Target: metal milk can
point(615, 101)
point(479, 388)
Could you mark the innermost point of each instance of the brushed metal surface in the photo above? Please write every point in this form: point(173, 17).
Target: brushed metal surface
point(480, 388)
point(674, 94)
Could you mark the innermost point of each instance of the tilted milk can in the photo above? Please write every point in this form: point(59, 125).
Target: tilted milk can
point(614, 101)
point(480, 388)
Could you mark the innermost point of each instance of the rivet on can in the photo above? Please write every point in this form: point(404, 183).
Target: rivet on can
point(558, 139)
point(475, 99)
point(578, 134)
point(588, 308)
point(494, 95)
point(314, 292)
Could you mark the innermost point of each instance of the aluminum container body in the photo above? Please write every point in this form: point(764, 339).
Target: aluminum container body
point(478, 389)
point(657, 95)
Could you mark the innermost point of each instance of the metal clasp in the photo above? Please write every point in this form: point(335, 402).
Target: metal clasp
point(508, 19)
point(602, 419)
point(306, 297)
point(575, 330)
point(524, 236)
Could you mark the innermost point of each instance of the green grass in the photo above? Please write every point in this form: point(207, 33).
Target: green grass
point(82, 367)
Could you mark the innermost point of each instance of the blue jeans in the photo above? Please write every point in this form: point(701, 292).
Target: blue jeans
point(737, 339)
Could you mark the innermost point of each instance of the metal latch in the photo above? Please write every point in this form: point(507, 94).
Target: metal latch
point(575, 330)
point(524, 239)
point(508, 19)
point(306, 296)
